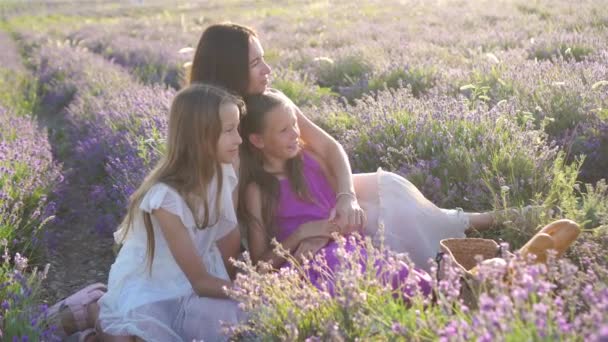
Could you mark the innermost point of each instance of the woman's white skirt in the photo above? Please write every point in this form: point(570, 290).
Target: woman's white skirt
point(401, 218)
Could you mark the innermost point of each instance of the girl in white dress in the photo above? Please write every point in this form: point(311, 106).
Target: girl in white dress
point(168, 278)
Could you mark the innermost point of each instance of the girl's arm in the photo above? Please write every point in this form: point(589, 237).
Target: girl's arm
point(230, 247)
point(257, 236)
point(348, 211)
point(183, 250)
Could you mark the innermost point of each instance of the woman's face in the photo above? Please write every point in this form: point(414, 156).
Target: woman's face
point(259, 71)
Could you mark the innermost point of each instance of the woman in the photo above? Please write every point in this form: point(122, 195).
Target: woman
point(231, 56)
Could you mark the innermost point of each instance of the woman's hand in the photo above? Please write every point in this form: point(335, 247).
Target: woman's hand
point(310, 246)
point(348, 215)
point(317, 228)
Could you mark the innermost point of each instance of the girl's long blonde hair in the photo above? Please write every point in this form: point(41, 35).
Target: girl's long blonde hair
point(190, 162)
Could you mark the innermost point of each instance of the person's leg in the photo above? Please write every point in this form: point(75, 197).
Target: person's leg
point(200, 318)
point(481, 221)
point(367, 190)
point(486, 220)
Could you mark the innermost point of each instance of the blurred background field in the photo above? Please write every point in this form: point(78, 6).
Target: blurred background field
point(481, 104)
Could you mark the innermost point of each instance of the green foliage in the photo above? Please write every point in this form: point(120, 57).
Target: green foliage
point(19, 295)
point(345, 71)
point(556, 108)
point(543, 14)
point(576, 52)
point(488, 87)
point(337, 124)
point(419, 79)
point(18, 91)
point(459, 153)
point(300, 90)
point(557, 198)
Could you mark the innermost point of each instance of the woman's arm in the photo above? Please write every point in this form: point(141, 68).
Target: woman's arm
point(183, 250)
point(327, 148)
point(258, 237)
point(310, 246)
point(349, 214)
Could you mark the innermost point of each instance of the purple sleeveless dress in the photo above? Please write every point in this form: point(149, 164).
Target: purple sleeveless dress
point(293, 211)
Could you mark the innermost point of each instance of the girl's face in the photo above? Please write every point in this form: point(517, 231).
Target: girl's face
point(259, 71)
point(281, 136)
point(229, 141)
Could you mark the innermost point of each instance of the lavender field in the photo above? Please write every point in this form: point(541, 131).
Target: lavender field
point(481, 104)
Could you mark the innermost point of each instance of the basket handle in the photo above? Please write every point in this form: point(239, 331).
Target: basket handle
point(499, 252)
point(438, 259)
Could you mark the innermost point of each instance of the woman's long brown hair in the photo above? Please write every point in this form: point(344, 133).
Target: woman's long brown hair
point(190, 162)
point(222, 57)
point(252, 165)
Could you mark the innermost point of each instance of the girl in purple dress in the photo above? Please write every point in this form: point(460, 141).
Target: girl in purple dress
point(287, 193)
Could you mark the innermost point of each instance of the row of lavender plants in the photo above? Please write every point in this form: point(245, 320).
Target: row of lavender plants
point(113, 126)
point(152, 63)
point(28, 177)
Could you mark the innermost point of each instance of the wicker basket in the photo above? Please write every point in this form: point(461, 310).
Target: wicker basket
point(462, 252)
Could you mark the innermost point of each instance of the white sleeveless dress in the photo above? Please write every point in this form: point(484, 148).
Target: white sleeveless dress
point(162, 306)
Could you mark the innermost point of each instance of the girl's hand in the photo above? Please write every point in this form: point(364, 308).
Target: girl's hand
point(310, 246)
point(348, 214)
